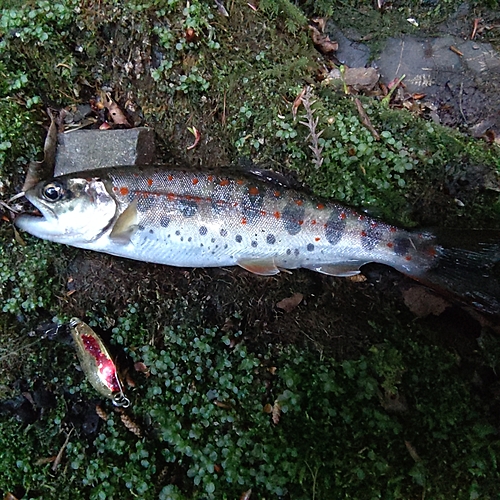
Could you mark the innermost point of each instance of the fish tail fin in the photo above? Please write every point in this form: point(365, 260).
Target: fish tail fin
point(468, 268)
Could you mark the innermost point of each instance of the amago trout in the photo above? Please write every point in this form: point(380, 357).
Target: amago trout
point(190, 218)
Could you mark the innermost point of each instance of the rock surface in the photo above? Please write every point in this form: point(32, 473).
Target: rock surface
point(89, 149)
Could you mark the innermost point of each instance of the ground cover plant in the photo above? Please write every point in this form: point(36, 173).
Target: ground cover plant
point(349, 394)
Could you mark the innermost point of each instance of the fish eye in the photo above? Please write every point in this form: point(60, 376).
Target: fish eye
point(53, 191)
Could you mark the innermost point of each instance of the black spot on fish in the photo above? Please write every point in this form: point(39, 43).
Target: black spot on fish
point(254, 244)
point(188, 208)
point(296, 251)
point(151, 231)
point(140, 227)
point(401, 246)
point(335, 226)
point(238, 238)
point(288, 252)
point(223, 232)
point(213, 240)
point(189, 239)
point(182, 238)
point(203, 230)
point(271, 239)
point(177, 233)
point(225, 246)
point(164, 221)
point(293, 217)
point(372, 234)
point(310, 247)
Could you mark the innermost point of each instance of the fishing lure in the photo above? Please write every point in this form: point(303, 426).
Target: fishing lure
point(97, 363)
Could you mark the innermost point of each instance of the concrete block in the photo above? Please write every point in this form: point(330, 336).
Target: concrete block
point(89, 149)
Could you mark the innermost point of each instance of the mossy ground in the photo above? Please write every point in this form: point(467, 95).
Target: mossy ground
point(374, 401)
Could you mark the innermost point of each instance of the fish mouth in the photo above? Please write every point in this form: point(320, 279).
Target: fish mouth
point(37, 218)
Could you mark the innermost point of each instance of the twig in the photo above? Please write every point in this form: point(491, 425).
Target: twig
point(312, 124)
point(365, 119)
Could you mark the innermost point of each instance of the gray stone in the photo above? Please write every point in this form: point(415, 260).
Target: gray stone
point(89, 149)
point(350, 53)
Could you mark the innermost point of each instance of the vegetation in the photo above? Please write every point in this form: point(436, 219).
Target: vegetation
point(228, 393)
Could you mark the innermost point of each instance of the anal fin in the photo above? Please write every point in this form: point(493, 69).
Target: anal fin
point(341, 269)
point(125, 225)
point(263, 267)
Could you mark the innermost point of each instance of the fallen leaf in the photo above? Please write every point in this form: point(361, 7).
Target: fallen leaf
point(322, 41)
point(366, 122)
point(290, 303)
point(142, 368)
point(422, 302)
point(197, 137)
point(412, 451)
point(268, 408)
point(246, 495)
point(276, 413)
point(114, 110)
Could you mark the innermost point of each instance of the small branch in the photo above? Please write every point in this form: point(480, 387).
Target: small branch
point(312, 124)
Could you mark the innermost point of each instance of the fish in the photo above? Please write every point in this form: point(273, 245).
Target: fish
point(232, 217)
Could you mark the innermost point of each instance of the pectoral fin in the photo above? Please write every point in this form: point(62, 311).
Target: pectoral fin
point(342, 269)
point(264, 267)
point(125, 225)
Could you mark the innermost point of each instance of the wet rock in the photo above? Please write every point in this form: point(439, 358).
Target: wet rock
point(349, 52)
point(459, 77)
point(89, 149)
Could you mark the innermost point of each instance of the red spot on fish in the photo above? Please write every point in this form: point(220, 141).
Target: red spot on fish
point(361, 217)
point(197, 199)
point(432, 251)
point(263, 212)
point(299, 202)
point(235, 204)
point(342, 215)
point(124, 191)
point(317, 239)
point(301, 222)
point(313, 222)
point(195, 181)
point(243, 221)
point(320, 206)
point(171, 196)
point(408, 257)
point(393, 229)
point(210, 178)
point(253, 191)
point(115, 189)
point(189, 197)
point(150, 182)
point(224, 182)
point(170, 177)
point(364, 234)
point(240, 182)
point(277, 215)
point(373, 224)
point(390, 245)
point(277, 194)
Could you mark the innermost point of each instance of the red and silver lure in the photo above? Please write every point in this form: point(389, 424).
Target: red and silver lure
point(97, 363)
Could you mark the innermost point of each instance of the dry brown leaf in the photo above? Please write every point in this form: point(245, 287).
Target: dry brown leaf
point(276, 412)
point(59, 456)
point(246, 495)
point(322, 41)
point(422, 302)
point(268, 408)
point(142, 368)
point(101, 412)
point(9, 496)
point(114, 111)
point(413, 452)
point(220, 404)
point(290, 303)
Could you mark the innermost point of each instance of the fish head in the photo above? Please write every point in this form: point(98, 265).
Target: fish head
point(74, 210)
